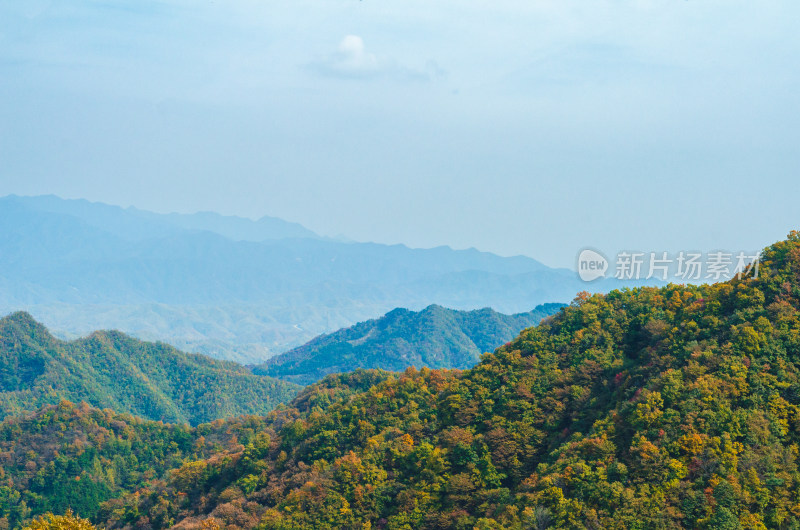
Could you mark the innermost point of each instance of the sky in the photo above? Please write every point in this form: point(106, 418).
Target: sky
point(513, 126)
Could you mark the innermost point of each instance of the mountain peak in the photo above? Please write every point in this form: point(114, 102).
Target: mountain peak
point(435, 337)
point(29, 326)
point(19, 317)
point(780, 262)
point(110, 369)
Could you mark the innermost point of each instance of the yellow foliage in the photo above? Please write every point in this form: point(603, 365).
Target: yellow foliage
point(692, 443)
point(67, 521)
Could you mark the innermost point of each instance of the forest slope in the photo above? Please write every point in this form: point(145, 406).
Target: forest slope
point(110, 369)
point(674, 407)
point(435, 337)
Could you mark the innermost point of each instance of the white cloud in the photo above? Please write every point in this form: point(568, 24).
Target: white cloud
point(352, 60)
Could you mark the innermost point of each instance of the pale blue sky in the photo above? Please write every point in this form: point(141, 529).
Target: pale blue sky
point(519, 127)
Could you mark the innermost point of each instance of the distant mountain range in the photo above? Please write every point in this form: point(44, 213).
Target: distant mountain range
point(435, 337)
point(231, 287)
point(110, 369)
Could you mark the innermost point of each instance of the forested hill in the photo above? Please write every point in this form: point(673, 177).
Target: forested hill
point(435, 337)
point(75, 457)
point(674, 407)
point(110, 369)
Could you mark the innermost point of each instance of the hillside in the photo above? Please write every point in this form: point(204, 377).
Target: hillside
point(234, 288)
point(435, 337)
point(110, 369)
point(674, 407)
point(76, 457)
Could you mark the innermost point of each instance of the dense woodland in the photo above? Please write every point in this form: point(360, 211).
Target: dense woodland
point(75, 458)
point(111, 369)
point(673, 407)
point(70, 456)
point(435, 337)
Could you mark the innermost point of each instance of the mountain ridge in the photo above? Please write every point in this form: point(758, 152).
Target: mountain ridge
point(111, 369)
point(435, 337)
point(135, 223)
point(80, 266)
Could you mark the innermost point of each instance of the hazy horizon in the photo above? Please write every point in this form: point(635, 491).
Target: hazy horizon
point(518, 128)
point(338, 237)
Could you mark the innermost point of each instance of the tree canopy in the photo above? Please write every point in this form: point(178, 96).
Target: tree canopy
point(673, 407)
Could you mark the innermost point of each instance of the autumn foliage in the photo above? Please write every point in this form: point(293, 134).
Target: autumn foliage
point(673, 407)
